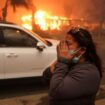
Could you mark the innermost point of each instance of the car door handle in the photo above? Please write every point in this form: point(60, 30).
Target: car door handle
point(11, 55)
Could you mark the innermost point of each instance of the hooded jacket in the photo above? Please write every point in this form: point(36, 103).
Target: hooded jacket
point(76, 85)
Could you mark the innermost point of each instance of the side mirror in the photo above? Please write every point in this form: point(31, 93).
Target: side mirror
point(40, 46)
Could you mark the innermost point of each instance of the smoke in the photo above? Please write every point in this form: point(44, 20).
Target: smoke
point(91, 10)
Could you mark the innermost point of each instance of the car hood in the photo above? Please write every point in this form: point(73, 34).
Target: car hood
point(53, 41)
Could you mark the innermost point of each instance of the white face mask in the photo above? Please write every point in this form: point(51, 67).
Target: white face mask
point(75, 59)
point(74, 51)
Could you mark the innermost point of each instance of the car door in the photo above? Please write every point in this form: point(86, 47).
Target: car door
point(2, 73)
point(1, 65)
point(22, 58)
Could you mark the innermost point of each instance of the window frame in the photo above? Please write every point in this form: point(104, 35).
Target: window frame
point(14, 28)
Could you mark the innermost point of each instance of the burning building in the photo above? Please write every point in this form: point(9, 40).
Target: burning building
point(47, 16)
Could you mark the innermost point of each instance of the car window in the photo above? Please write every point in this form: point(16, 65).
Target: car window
point(18, 38)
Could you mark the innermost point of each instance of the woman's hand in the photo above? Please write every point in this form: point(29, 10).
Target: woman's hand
point(52, 67)
point(63, 51)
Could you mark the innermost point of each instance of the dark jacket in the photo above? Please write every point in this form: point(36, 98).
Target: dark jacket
point(76, 85)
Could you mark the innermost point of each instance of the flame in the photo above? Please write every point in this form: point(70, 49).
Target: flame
point(44, 20)
point(41, 19)
point(27, 20)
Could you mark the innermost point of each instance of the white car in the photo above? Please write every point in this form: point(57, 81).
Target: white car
point(23, 53)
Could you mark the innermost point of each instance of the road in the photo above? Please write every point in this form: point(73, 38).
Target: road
point(30, 93)
point(27, 93)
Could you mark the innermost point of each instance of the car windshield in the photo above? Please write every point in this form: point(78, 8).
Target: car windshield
point(42, 39)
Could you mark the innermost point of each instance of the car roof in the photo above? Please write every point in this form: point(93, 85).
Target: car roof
point(10, 24)
point(5, 22)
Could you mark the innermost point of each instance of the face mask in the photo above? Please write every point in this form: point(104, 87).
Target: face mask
point(75, 59)
point(74, 51)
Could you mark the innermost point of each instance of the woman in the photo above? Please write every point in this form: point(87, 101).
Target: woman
point(76, 77)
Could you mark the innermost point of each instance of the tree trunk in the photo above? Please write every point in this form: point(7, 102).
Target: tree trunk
point(4, 11)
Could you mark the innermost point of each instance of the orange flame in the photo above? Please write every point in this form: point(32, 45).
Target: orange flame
point(44, 20)
point(41, 19)
point(27, 20)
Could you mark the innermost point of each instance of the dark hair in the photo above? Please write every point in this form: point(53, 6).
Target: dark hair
point(84, 39)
